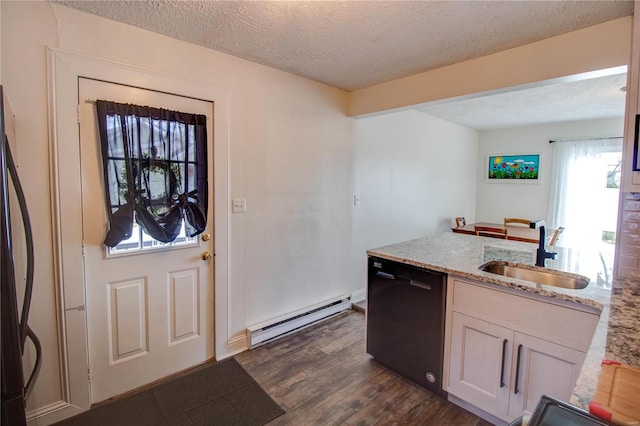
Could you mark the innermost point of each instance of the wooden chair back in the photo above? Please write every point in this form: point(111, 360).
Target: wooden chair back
point(460, 222)
point(488, 231)
point(555, 235)
point(516, 221)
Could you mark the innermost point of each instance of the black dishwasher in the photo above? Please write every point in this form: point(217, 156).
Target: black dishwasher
point(405, 320)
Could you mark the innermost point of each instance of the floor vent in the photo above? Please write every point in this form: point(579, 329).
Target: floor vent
point(278, 327)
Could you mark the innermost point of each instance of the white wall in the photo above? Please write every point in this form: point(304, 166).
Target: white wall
point(290, 157)
point(495, 201)
point(414, 173)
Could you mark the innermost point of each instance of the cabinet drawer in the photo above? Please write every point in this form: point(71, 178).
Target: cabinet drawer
point(560, 324)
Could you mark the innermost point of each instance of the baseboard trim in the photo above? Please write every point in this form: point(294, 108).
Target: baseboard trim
point(52, 413)
point(235, 345)
point(359, 295)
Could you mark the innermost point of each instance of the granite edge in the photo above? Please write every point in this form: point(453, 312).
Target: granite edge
point(512, 283)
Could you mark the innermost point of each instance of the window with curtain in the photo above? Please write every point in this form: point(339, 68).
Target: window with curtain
point(585, 180)
point(155, 172)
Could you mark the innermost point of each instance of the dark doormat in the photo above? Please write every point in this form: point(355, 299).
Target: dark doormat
point(220, 393)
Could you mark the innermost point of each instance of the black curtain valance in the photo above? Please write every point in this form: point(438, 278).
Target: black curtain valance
point(155, 170)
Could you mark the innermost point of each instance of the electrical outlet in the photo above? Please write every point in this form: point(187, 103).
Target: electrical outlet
point(239, 205)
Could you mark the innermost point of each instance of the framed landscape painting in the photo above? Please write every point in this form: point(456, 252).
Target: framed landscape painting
point(514, 168)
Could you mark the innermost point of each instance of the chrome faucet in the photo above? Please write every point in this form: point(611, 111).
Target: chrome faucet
point(541, 254)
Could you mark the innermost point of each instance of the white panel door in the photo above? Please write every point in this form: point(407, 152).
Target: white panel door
point(480, 362)
point(149, 314)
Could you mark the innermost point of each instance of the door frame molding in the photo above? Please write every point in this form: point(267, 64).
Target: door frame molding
point(63, 70)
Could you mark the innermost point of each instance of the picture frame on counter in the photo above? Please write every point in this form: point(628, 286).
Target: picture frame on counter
point(513, 168)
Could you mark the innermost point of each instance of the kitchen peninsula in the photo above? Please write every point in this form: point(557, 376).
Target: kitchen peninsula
point(460, 256)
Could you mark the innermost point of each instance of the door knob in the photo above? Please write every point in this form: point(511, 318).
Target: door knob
point(206, 256)
point(206, 237)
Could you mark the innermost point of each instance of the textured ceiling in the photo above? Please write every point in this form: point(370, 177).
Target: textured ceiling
point(356, 44)
point(578, 100)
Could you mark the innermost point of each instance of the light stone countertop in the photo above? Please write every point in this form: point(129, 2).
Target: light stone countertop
point(623, 328)
point(617, 337)
point(461, 255)
point(618, 333)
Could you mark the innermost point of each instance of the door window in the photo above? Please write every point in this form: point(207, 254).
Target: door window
point(155, 175)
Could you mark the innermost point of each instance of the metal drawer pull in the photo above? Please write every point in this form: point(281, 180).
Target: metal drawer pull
point(516, 390)
point(504, 354)
point(419, 284)
point(385, 275)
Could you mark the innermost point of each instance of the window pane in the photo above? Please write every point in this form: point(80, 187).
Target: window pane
point(141, 242)
point(130, 245)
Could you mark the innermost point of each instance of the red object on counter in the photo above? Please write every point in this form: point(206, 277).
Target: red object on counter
point(596, 409)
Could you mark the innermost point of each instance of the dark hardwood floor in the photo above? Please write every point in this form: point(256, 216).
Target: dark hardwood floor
point(322, 375)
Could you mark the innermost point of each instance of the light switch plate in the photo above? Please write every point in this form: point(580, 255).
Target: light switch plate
point(239, 205)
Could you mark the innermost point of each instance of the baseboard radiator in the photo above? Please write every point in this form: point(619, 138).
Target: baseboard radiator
point(278, 327)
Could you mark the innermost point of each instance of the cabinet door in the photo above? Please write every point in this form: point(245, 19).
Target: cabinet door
point(541, 367)
point(480, 361)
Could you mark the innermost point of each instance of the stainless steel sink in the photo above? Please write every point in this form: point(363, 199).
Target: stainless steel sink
point(536, 274)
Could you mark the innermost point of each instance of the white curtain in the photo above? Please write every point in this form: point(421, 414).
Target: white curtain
point(579, 198)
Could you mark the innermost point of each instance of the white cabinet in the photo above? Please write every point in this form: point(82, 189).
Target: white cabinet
point(505, 372)
point(479, 364)
point(502, 352)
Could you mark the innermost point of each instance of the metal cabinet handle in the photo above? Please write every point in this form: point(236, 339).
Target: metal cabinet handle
point(424, 286)
point(504, 354)
point(516, 390)
point(385, 275)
